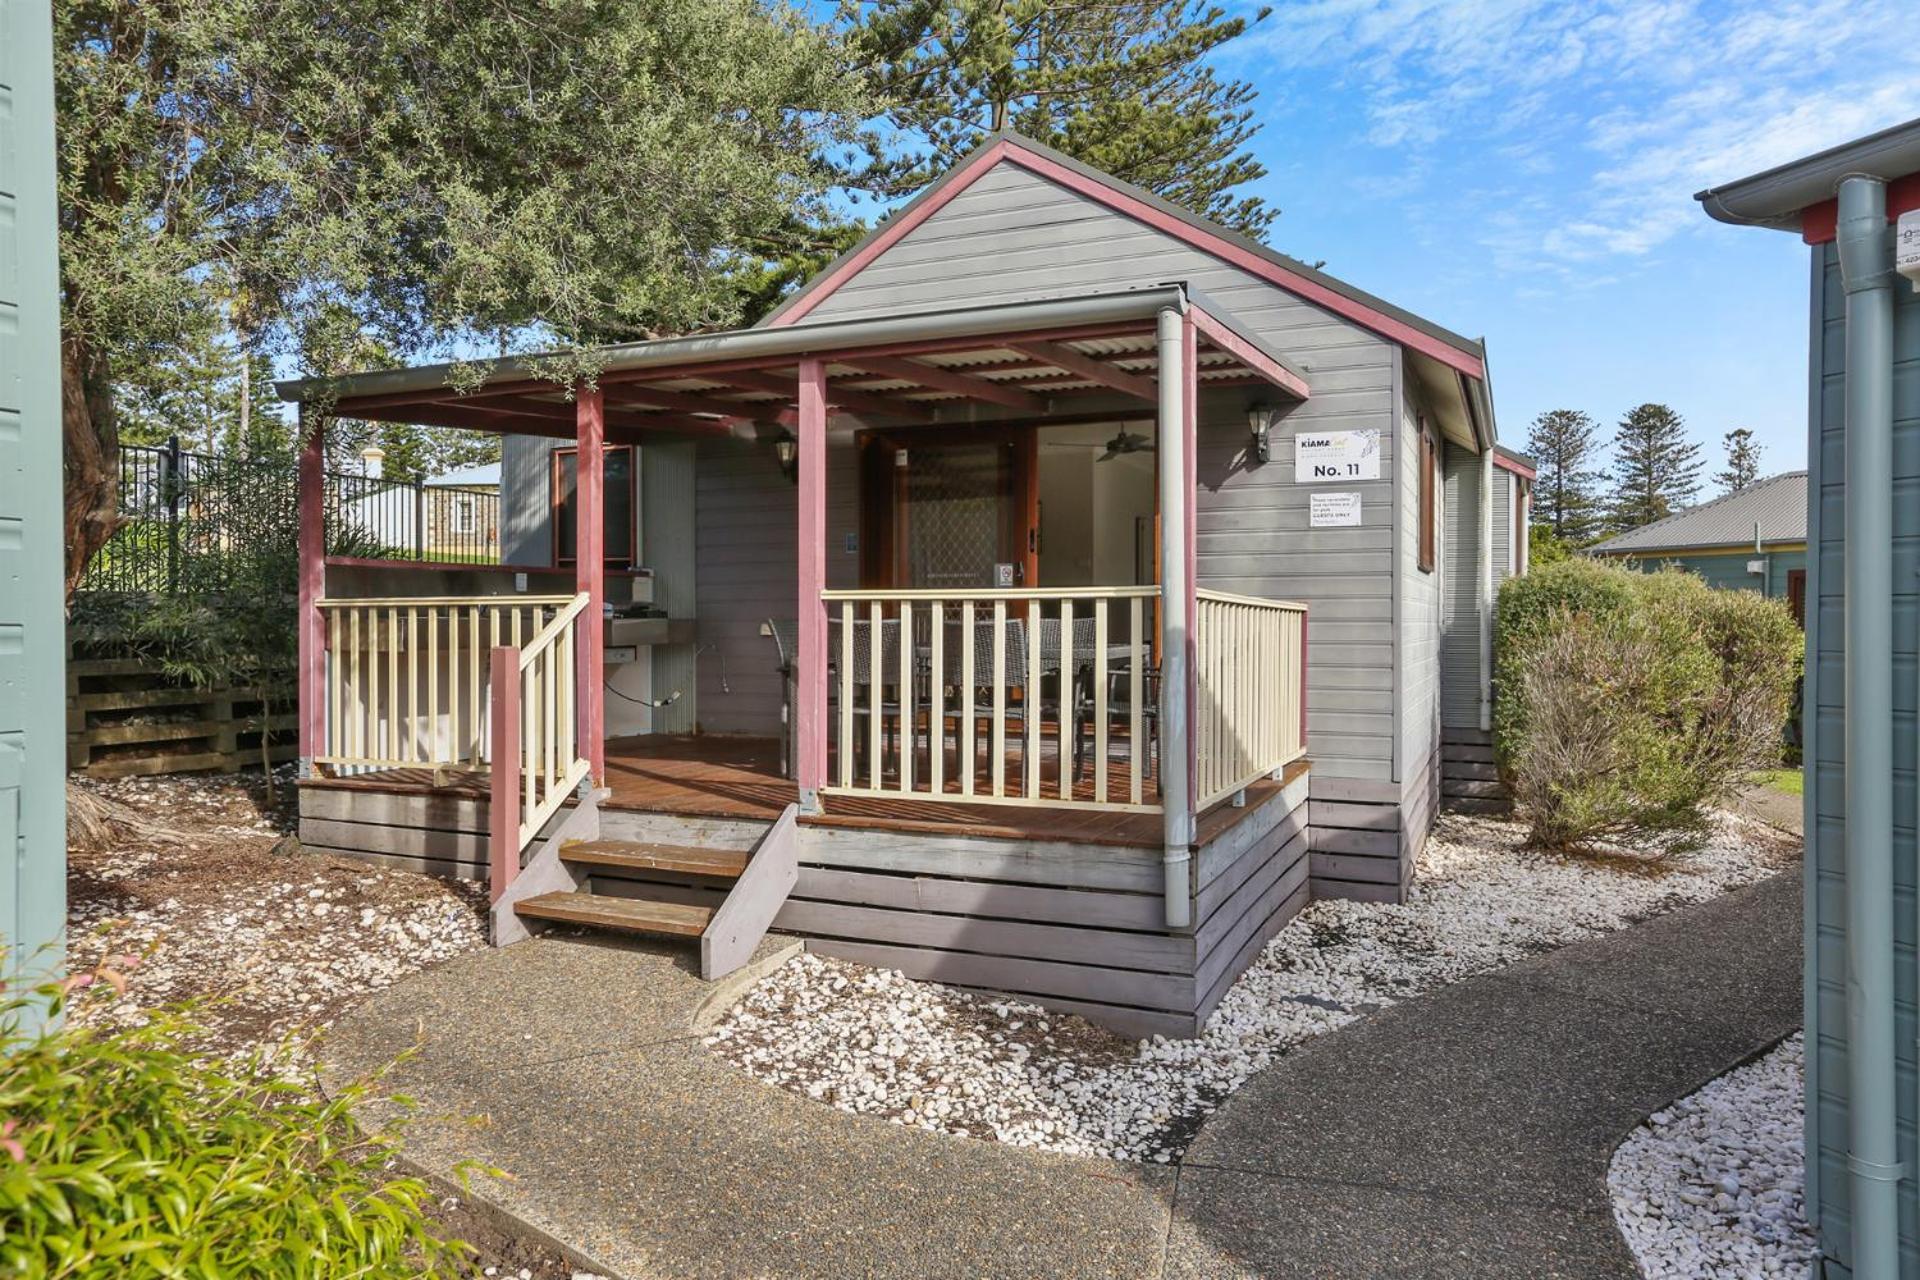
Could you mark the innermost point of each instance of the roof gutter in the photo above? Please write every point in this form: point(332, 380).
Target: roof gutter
point(1776, 197)
point(789, 341)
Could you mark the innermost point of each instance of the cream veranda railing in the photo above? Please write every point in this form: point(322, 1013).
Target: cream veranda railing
point(536, 755)
point(1251, 662)
point(406, 677)
point(1039, 697)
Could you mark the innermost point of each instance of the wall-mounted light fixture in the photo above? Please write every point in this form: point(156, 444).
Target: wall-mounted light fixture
point(786, 450)
point(1260, 419)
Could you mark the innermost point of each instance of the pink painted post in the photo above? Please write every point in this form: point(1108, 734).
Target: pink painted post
point(590, 570)
point(810, 677)
point(313, 584)
point(1190, 436)
point(503, 807)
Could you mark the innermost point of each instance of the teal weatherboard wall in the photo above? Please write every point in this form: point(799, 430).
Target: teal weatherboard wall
point(1728, 570)
point(1828, 1034)
point(32, 612)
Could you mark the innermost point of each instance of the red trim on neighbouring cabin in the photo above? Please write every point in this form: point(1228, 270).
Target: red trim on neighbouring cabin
point(1819, 223)
point(1520, 469)
point(1160, 220)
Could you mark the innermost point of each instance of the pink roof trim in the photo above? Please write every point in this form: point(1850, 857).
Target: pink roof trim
point(1248, 354)
point(1508, 464)
point(1235, 255)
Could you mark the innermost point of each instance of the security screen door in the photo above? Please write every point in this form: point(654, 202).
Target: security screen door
point(942, 513)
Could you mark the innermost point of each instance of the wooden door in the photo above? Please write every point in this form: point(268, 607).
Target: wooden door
point(940, 509)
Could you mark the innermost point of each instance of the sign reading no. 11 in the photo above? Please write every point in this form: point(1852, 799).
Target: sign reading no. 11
point(1322, 456)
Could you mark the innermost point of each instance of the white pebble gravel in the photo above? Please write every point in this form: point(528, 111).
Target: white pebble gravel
point(1713, 1185)
point(875, 1043)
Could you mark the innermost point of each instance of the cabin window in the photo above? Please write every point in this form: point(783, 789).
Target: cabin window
point(619, 498)
point(1429, 466)
point(462, 513)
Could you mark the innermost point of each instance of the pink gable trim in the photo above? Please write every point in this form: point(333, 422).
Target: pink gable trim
point(903, 222)
point(1234, 255)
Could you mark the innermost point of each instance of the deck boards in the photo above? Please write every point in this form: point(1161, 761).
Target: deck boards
point(733, 776)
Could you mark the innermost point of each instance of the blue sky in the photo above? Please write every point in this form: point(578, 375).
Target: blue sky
point(1524, 170)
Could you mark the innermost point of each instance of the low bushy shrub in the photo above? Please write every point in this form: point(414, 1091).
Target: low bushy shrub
point(1630, 702)
point(121, 1156)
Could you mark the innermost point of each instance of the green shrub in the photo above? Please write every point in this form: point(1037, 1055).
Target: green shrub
point(1629, 702)
point(120, 1156)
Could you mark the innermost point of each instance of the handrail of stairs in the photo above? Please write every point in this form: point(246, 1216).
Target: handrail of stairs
point(536, 762)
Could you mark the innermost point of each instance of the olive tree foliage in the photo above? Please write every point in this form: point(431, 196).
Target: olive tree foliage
point(1629, 703)
point(349, 182)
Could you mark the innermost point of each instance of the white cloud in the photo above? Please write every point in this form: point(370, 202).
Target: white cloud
point(1580, 130)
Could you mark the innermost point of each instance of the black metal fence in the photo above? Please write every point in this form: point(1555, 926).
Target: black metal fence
point(199, 524)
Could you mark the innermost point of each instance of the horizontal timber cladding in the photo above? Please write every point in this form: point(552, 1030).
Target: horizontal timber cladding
point(1365, 835)
point(439, 833)
point(1469, 778)
point(1079, 928)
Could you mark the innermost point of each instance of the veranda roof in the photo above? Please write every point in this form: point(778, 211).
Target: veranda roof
point(917, 367)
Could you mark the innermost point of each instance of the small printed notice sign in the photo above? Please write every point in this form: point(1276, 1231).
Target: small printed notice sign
point(1322, 456)
point(1333, 510)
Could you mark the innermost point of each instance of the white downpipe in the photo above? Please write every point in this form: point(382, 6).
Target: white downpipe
point(1175, 711)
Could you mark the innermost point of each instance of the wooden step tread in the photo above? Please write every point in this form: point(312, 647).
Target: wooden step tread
point(643, 856)
point(634, 915)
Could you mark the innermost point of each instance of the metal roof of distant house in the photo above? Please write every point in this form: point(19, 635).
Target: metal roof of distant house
point(480, 476)
point(1778, 505)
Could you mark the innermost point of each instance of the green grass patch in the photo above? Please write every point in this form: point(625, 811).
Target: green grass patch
point(1791, 781)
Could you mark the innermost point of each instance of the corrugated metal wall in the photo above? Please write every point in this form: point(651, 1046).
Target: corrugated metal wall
point(1826, 906)
point(1014, 235)
point(33, 882)
point(1503, 487)
point(1460, 614)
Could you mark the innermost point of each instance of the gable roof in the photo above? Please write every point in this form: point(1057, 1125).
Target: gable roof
point(1778, 505)
point(1463, 354)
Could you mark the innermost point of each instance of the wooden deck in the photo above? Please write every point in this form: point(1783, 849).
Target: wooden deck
point(728, 776)
point(1062, 906)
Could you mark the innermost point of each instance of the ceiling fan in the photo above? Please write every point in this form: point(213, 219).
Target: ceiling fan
point(1125, 441)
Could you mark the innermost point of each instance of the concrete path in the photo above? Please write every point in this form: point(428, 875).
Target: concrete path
point(1466, 1133)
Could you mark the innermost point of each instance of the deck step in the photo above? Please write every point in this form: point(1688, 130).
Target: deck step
point(635, 855)
point(631, 915)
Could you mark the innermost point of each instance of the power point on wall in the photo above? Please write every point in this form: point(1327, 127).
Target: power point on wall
point(519, 582)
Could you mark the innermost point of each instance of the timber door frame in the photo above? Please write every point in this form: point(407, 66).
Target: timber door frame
point(885, 513)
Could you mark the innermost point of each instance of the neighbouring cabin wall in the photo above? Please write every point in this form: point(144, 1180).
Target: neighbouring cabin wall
point(1828, 1203)
point(1504, 485)
point(1727, 569)
point(1421, 632)
point(1460, 615)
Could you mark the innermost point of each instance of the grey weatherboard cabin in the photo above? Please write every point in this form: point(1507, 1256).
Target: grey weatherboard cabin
point(1051, 597)
point(1863, 536)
